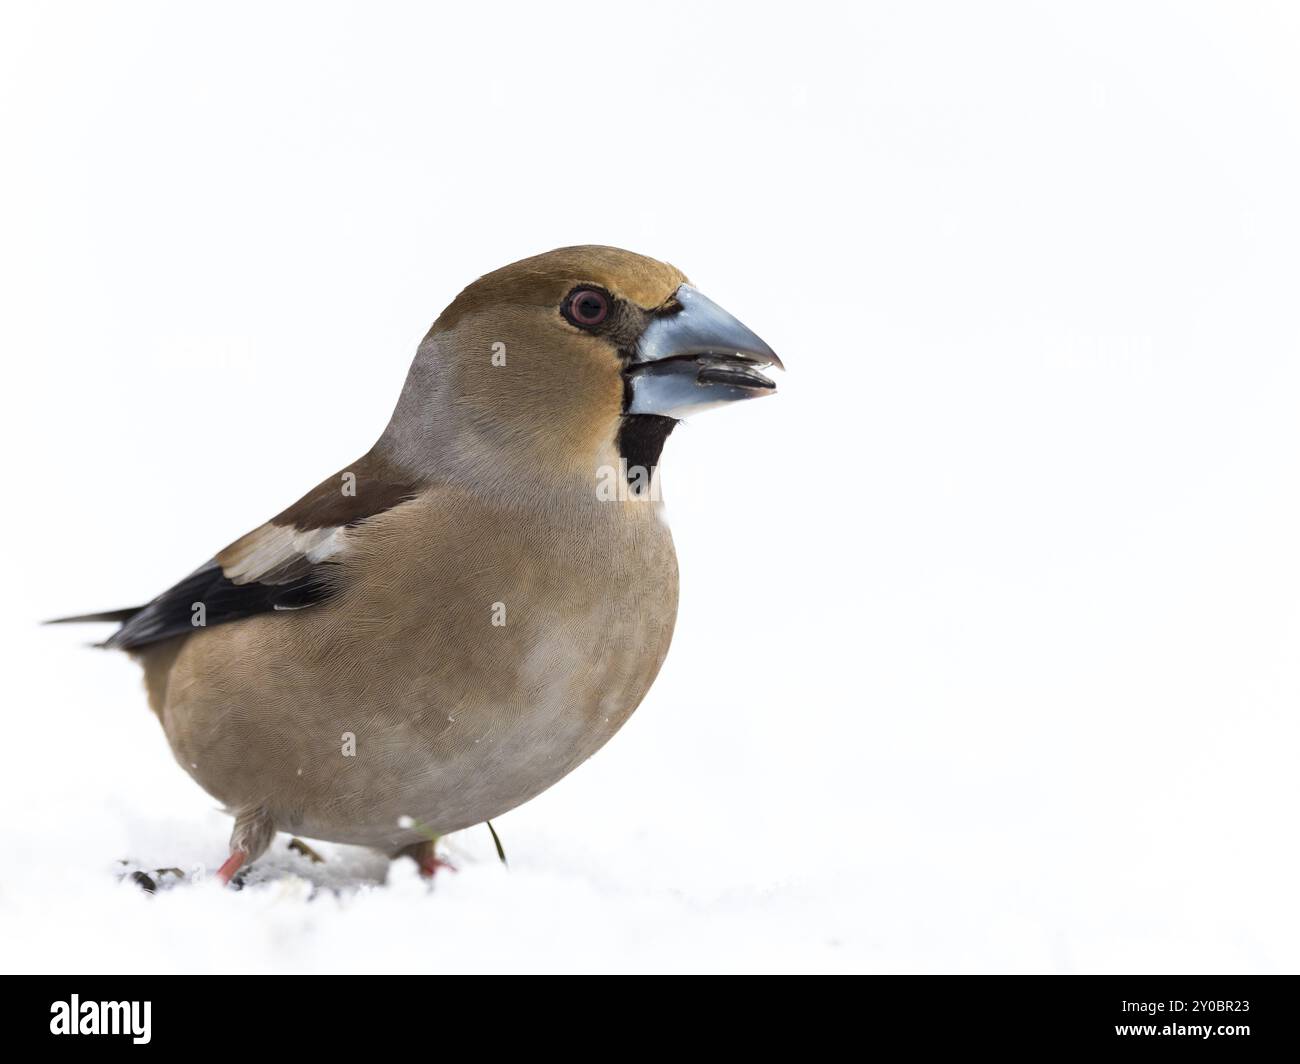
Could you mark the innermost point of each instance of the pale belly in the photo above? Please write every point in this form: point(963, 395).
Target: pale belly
point(432, 718)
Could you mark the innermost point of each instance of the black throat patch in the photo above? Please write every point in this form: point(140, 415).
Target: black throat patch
point(640, 441)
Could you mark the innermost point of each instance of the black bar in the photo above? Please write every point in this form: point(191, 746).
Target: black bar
point(380, 1013)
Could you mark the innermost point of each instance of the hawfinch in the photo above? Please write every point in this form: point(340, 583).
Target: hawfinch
point(445, 628)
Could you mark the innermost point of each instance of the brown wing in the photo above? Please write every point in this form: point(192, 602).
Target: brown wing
point(288, 563)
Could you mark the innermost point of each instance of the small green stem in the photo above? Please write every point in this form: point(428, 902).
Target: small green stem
point(501, 853)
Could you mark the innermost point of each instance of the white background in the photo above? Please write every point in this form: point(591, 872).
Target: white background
point(989, 647)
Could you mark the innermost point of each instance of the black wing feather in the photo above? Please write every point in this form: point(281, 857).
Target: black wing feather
point(174, 613)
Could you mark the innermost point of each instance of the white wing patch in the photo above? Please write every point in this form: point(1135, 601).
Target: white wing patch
point(277, 554)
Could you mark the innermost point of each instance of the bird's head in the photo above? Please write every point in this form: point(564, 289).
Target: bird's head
point(566, 360)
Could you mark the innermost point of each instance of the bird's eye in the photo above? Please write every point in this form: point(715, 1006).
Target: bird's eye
point(587, 307)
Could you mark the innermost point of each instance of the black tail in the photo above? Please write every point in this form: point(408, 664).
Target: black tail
point(116, 616)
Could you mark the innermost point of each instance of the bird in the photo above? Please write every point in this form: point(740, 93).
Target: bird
point(448, 626)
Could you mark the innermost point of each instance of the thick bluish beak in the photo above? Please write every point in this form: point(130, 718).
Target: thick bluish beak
point(695, 357)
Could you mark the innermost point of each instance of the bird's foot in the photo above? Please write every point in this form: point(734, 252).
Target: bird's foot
point(425, 855)
point(300, 847)
point(429, 865)
point(254, 829)
point(233, 864)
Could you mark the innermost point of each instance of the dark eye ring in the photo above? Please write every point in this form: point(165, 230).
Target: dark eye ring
point(587, 307)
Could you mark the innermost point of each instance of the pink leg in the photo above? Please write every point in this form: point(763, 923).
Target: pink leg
point(431, 862)
point(425, 855)
point(233, 864)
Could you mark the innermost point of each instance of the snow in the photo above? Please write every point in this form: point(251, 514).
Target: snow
point(728, 844)
point(989, 647)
